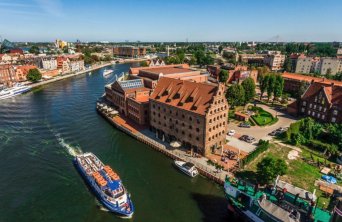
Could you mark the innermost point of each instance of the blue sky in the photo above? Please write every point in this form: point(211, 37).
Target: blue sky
point(171, 20)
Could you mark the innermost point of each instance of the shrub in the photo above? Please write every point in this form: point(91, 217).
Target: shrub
point(269, 168)
point(263, 145)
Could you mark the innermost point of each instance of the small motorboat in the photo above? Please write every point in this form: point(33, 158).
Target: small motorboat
point(187, 168)
point(107, 72)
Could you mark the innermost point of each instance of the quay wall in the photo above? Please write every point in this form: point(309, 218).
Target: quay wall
point(203, 170)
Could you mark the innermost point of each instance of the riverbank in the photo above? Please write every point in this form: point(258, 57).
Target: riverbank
point(58, 78)
point(144, 135)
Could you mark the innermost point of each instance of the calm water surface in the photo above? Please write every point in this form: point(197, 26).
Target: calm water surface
point(42, 130)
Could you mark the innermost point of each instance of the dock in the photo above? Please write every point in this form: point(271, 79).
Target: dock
point(145, 136)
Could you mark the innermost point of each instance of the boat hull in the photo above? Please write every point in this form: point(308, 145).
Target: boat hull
point(13, 94)
point(111, 207)
point(178, 166)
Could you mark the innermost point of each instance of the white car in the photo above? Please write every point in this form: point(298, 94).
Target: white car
point(231, 132)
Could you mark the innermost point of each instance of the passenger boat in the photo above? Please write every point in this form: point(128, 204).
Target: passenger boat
point(107, 72)
point(106, 184)
point(280, 202)
point(187, 168)
point(14, 91)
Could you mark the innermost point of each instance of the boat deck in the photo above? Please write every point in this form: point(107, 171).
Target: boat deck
point(287, 203)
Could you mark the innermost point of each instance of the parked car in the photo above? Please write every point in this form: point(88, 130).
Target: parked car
point(245, 125)
point(231, 133)
point(248, 139)
point(278, 131)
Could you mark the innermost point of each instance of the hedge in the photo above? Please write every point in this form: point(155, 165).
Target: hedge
point(262, 147)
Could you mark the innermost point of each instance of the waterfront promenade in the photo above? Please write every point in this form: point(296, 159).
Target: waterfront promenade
point(144, 135)
point(58, 78)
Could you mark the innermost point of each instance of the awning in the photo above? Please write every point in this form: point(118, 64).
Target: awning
point(176, 144)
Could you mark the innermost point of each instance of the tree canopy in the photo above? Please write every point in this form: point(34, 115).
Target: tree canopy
point(34, 75)
point(249, 87)
point(223, 76)
point(269, 168)
point(235, 95)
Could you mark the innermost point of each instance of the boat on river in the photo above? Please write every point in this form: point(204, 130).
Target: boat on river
point(106, 184)
point(279, 202)
point(107, 72)
point(14, 91)
point(187, 168)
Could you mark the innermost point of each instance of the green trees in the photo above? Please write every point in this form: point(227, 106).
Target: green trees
point(34, 75)
point(143, 64)
point(287, 65)
point(269, 168)
point(235, 95)
point(326, 138)
point(34, 50)
point(172, 60)
point(223, 76)
point(270, 86)
point(271, 83)
point(202, 58)
point(278, 87)
point(249, 88)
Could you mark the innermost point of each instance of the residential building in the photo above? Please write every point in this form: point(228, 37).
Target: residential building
point(321, 101)
point(275, 60)
point(129, 51)
point(7, 75)
point(63, 64)
point(5, 58)
point(332, 64)
point(22, 71)
point(252, 59)
point(60, 44)
point(339, 53)
point(131, 99)
point(237, 74)
point(293, 81)
point(319, 65)
point(47, 62)
point(195, 114)
point(76, 64)
point(151, 75)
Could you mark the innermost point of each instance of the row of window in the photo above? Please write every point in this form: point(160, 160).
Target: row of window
point(171, 127)
point(218, 109)
point(211, 120)
point(183, 116)
point(217, 126)
point(216, 135)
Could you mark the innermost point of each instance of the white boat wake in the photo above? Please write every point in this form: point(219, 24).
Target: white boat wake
point(72, 150)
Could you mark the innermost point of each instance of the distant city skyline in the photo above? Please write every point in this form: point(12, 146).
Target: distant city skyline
point(150, 20)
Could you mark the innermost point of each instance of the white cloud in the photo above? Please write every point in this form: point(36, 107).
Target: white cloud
point(52, 7)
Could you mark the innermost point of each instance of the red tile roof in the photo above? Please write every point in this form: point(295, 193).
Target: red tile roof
point(333, 92)
point(191, 96)
point(300, 77)
point(136, 70)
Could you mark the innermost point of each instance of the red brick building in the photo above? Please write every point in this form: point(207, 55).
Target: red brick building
point(151, 75)
point(238, 74)
point(131, 99)
point(129, 51)
point(321, 101)
point(195, 114)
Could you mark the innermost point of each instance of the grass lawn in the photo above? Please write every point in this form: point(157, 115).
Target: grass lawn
point(299, 173)
point(262, 117)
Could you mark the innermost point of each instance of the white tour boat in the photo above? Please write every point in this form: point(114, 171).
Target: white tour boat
point(187, 168)
point(14, 91)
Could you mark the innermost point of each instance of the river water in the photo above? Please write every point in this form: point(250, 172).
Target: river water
point(41, 131)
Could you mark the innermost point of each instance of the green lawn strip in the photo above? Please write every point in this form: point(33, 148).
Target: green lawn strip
point(299, 173)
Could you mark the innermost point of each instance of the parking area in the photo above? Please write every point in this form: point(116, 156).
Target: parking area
point(284, 120)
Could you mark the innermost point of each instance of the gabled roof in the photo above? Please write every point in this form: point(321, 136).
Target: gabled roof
point(332, 92)
point(191, 96)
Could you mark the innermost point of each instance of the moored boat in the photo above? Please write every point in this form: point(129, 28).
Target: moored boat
point(106, 184)
point(281, 202)
point(14, 91)
point(187, 168)
point(107, 72)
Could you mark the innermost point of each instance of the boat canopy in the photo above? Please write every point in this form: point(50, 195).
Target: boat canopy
point(304, 194)
point(275, 211)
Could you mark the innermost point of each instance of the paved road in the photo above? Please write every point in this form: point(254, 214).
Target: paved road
point(258, 132)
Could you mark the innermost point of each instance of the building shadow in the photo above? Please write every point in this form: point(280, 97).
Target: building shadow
point(213, 208)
